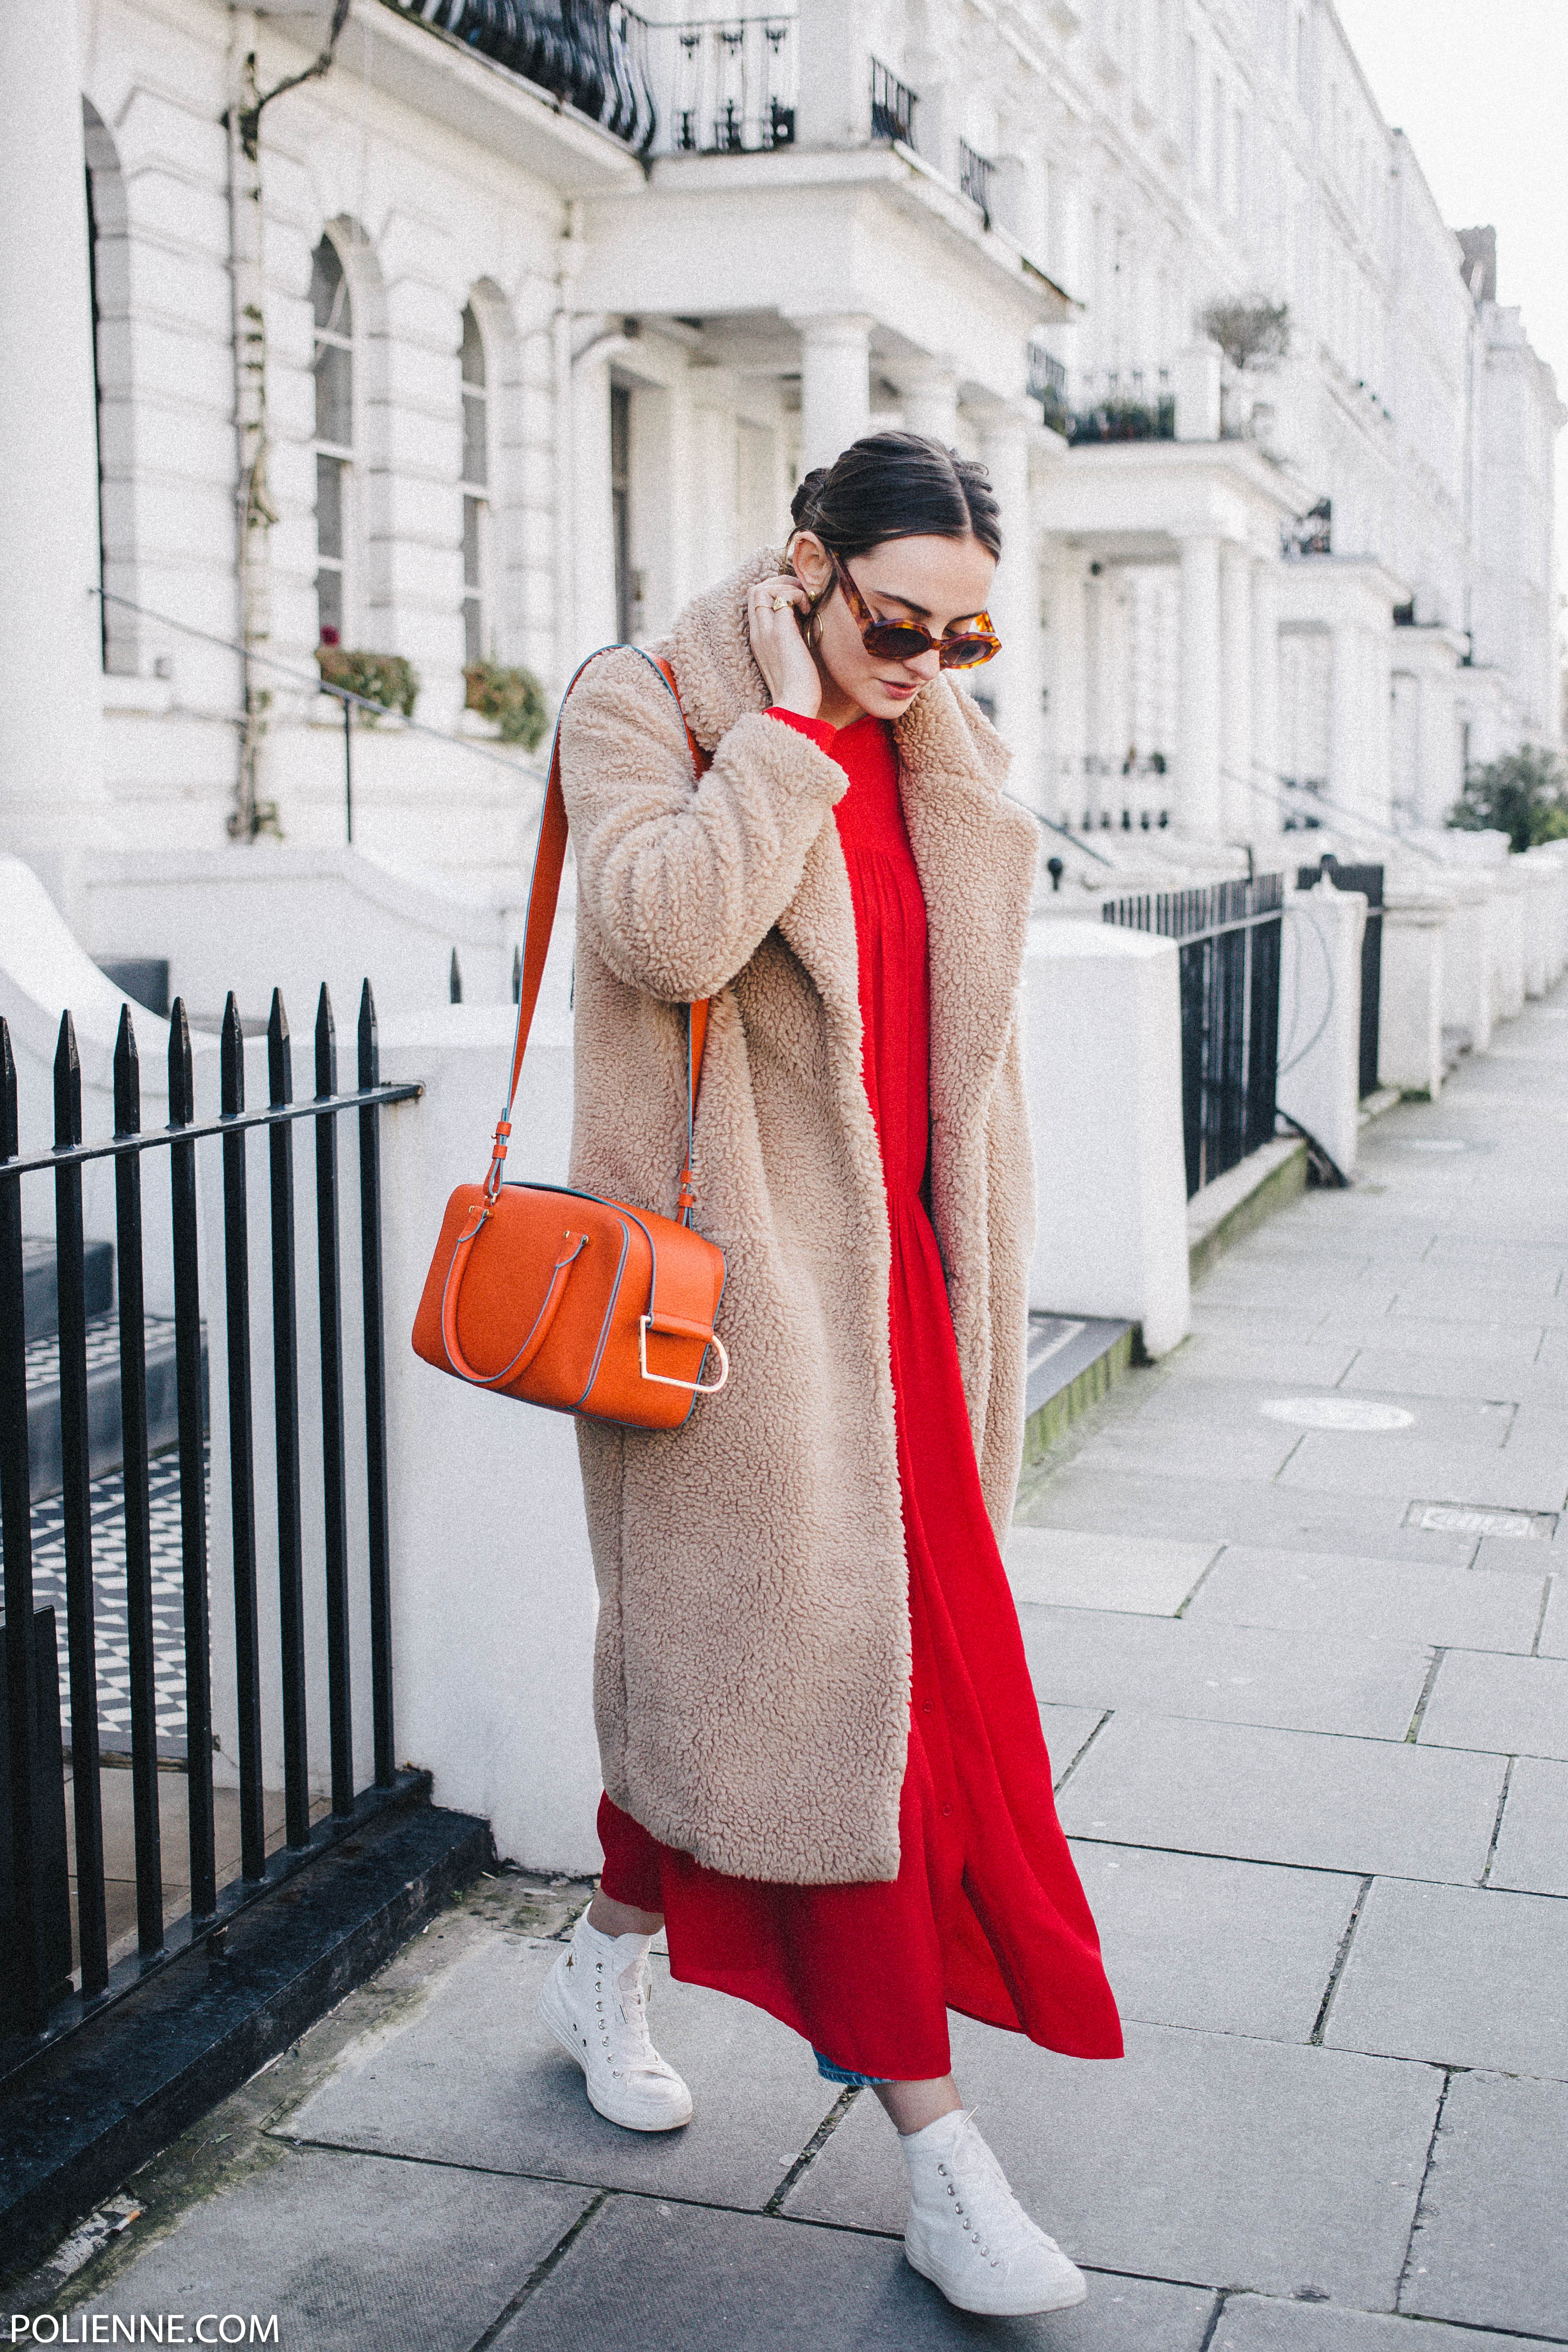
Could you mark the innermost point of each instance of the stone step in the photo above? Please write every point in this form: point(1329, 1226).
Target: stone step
point(45, 1452)
point(41, 1297)
point(1072, 1362)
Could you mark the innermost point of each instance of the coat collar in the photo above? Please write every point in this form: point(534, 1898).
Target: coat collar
point(976, 852)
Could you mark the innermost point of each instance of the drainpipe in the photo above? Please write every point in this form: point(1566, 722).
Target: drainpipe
point(254, 514)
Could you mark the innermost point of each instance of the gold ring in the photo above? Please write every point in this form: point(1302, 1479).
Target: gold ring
point(781, 603)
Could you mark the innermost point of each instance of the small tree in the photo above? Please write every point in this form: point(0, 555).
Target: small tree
point(1254, 330)
point(1525, 794)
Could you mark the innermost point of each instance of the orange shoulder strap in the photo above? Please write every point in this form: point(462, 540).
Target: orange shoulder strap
point(543, 892)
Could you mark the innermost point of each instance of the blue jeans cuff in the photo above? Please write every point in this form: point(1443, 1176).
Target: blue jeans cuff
point(832, 2073)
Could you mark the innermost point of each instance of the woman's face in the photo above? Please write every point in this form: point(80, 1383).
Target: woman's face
point(938, 583)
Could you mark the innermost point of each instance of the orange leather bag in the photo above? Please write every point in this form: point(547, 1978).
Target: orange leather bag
point(558, 1298)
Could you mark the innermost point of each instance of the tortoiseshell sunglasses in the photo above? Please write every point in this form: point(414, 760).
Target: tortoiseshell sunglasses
point(906, 640)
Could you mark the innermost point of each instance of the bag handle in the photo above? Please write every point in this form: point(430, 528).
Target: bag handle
point(543, 890)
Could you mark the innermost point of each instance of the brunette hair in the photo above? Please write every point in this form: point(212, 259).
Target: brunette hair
point(898, 485)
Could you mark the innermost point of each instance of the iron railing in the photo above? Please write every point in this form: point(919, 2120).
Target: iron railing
point(1368, 879)
point(591, 55)
point(976, 176)
point(724, 86)
point(166, 1646)
point(1048, 384)
point(1230, 939)
point(893, 106)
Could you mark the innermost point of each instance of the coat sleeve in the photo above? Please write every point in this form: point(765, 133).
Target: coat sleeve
point(682, 879)
point(1010, 1236)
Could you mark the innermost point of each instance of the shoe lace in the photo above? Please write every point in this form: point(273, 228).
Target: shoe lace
point(983, 2203)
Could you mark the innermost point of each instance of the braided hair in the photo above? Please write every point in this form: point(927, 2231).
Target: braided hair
point(898, 485)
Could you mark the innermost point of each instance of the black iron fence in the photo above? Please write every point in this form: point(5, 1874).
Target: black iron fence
point(725, 85)
point(1368, 879)
point(893, 106)
point(976, 177)
point(588, 54)
point(1230, 937)
point(156, 1610)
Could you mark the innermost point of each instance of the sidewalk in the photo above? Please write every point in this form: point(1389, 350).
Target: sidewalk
point(1305, 1678)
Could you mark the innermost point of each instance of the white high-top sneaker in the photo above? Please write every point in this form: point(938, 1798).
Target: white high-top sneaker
point(594, 2001)
point(968, 2233)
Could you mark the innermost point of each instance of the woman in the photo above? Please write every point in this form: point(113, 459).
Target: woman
point(822, 1755)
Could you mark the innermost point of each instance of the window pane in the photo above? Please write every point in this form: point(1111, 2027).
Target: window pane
point(334, 395)
point(473, 348)
point(473, 526)
point(473, 631)
point(476, 457)
point(330, 509)
point(330, 291)
point(329, 602)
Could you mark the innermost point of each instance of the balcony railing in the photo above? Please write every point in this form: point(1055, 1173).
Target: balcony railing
point(1048, 385)
point(590, 54)
point(976, 174)
point(893, 106)
point(724, 85)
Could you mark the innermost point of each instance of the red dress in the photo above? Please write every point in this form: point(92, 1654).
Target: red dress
point(986, 1915)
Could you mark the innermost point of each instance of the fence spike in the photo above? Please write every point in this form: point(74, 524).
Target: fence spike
point(280, 1059)
point(368, 1049)
point(127, 1077)
point(68, 1080)
point(231, 1059)
point(455, 979)
point(326, 1045)
point(10, 1134)
point(182, 1076)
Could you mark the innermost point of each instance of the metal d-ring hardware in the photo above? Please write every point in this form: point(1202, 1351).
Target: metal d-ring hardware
point(700, 1388)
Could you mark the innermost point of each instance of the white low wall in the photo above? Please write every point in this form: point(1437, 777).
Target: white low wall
point(1104, 1073)
point(1410, 1010)
point(274, 916)
point(1319, 1017)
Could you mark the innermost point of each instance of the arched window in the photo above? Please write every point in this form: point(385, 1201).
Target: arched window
point(475, 489)
point(335, 370)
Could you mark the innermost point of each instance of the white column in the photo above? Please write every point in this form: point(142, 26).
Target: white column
point(1266, 813)
point(1013, 677)
point(1235, 692)
point(835, 385)
point(931, 401)
point(51, 762)
point(1347, 726)
point(1439, 780)
point(594, 618)
point(1069, 682)
point(833, 105)
point(1198, 739)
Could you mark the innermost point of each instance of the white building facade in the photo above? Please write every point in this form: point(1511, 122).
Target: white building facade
point(511, 327)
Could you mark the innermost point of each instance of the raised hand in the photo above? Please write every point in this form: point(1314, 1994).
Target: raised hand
point(780, 649)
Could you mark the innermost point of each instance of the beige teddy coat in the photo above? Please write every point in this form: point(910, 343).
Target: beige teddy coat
point(751, 1672)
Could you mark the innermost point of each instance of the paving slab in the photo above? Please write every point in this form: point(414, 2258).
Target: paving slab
point(1381, 1371)
point(1553, 1642)
point(471, 2077)
point(1073, 1571)
point(1223, 1673)
point(1205, 2157)
point(647, 2276)
point(1279, 1518)
point(1068, 1730)
point(1323, 1803)
point(1200, 1398)
point(1227, 1947)
point(1490, 1988)
point(1512, 1707)
point(349, 2248)
point(1532, 1843)
point(1489, 2248)
point(1368, 1600)
point(1521, 1477)
point(1228, 1449)
point(1473, 1343)
point(1251, 2323)
point(1211, 1354)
